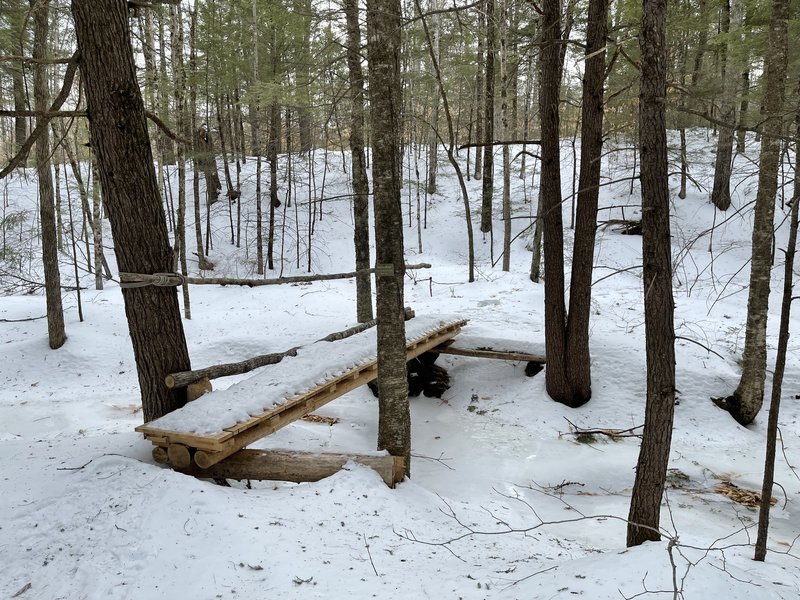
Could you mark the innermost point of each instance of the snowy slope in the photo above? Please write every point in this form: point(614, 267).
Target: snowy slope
point(503, 502)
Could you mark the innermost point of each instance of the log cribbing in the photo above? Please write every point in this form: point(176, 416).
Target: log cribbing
point(283, 465)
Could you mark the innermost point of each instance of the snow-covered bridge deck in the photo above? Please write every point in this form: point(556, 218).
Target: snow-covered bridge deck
point(217, 425)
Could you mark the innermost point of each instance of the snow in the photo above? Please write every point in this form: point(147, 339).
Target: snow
point(504, 502)
point(274, 385)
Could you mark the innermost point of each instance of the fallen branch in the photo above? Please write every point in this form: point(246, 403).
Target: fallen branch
point(508, 143)
point(174, 279)
point(612, 433)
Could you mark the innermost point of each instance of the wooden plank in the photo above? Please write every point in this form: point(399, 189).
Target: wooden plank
point(281, 465)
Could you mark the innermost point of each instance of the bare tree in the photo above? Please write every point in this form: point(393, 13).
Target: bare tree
point(52, 276)
point(746, 401)
point(651, 468)
point(359, 170)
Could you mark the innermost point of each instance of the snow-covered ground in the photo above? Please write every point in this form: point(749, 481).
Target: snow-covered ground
point(504, 502)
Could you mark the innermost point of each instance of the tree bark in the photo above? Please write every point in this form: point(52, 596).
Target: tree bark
point(731, 65)
point(488, 121)
point(359, 171)
point(556, 380)
point(479, 102)
point(651, 468)
point(384, 47)
point(118, 128)
point(780, 365)
point(580, 297)
point(746, 401)
point(52, 276)
point(507, 130)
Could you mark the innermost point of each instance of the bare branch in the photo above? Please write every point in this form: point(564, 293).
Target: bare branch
point(43, 123)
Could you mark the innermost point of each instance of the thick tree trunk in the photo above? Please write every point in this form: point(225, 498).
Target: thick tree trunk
point(118, 130)
point(359, 171)
point(556, 379)
point(749, 395)
point(52, 275)
point(651, 469)
point(384, 47)
point(580, 297)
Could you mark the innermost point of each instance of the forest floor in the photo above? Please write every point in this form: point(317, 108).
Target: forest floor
point(505, 501)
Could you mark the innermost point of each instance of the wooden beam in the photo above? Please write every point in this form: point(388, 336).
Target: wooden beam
point(489, 353)
point(281, 465)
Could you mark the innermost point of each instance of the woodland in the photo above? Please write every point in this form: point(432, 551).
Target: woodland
point(602, 193)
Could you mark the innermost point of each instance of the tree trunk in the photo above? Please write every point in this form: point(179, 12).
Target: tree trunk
point(749, 395)
point(479, 102)
point(651, 468)
point(52, 276)
point(179, 93)
point(384, 47)
point(97, 231)
point(730, 53)
point(504, 108)
point(359, 171)
point(580, 297)
point(20, 123)
point(780, 365)
point(556, 379)
point(742, 120)
point(433, 140)
point(118, 130)
point(488, 121)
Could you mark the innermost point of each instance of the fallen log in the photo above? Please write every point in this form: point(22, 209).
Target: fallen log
point(185, 378)
point(174, 279)
point(282, 465)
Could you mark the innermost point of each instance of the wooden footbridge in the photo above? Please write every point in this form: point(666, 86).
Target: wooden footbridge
point(218, 425)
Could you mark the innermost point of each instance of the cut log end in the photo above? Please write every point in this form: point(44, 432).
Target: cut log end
point(160, 455)
point(179, 456)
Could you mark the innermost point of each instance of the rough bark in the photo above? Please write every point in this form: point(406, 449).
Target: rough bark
point(384, 47)
point(580, 297)
point(651, 468)
point(556, 380)
point(359, 171)
point(118, 128)
point(52, 277)
point(746, 401)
